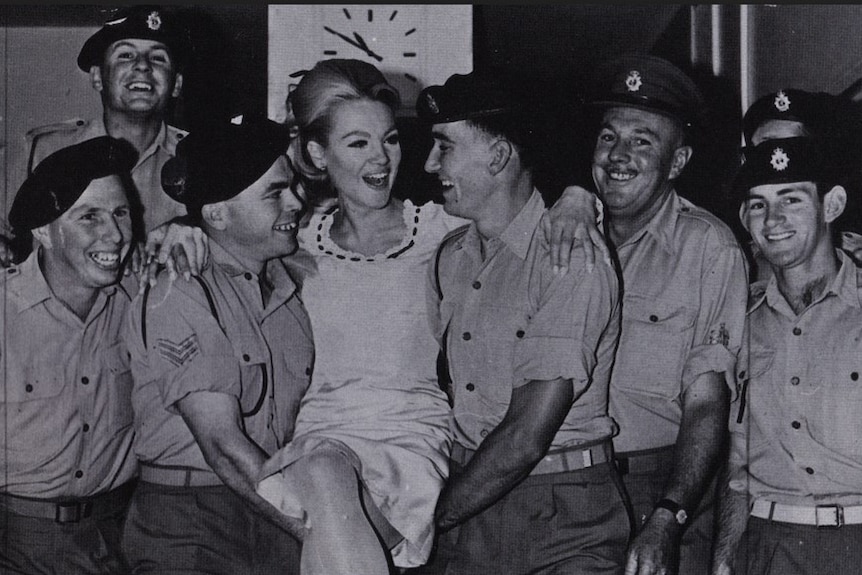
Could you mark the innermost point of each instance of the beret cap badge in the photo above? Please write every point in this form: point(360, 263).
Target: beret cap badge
point(782, 102)
point(779, 160)
point(432, 104)
point(154, 21)
point(633, 81)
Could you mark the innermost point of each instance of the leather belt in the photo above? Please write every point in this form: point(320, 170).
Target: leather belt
point(179, 476)
point(822, 516)
point(645, 461)
point(554, 461)
point(71, 510)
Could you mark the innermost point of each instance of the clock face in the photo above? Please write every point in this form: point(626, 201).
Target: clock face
point(390, 37)
point(414, 45)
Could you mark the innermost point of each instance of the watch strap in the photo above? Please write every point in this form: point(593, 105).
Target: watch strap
point(679, 513)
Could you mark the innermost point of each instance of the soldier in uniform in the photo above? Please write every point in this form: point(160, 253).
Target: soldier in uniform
point(135, 63)
point(220, 365)
point(684, 285)
point(66, 413)
point(792, 503)
point(532, 487)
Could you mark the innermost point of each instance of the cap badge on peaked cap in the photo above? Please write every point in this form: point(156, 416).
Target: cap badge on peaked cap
point(782, 102)
point(779, 160)
point(154, 21)
point(633, 81)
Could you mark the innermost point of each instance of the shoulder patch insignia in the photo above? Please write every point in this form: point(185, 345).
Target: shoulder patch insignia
point(178, 353)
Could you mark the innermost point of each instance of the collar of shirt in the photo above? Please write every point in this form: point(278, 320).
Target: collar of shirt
point(845, 286)
point(283, 285)
point(519, 233)
point(37, 289)
point(662, 226)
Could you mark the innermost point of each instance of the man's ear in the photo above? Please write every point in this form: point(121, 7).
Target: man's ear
point(178, 85)
point(216, 215)
point(681, 156)
point(834, 203)
point(743, 215)
point(96, 78)
point(43, 236)
point(316, 153)
point(501, 153)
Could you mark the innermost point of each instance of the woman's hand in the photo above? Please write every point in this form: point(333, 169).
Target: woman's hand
point(574, 218)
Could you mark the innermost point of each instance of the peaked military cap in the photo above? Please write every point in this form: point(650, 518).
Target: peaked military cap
point(217, 162)
point(144, 22)
point(464, 97)
point(785, 160)
point(649, 83)
point(822, 114)
point(60, 179)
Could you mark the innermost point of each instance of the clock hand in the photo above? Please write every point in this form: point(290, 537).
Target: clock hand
point(353, 43)
point(365, 47)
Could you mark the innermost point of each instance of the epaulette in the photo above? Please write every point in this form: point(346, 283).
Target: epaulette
point(447, 239)
point(65, 128)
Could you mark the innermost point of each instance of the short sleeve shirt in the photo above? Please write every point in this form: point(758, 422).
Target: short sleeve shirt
point(66, 411)
point(507, 320)
point(685, 292)
point(260, 355)
point(799, 440)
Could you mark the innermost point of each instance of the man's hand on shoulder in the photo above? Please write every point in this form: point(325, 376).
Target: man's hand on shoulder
point(575, 218)
point(181, 248)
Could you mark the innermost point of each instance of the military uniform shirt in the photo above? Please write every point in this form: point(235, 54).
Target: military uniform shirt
point(147, 173)
point(800, 438)
point(261, 356)
point(685, 292)
point(66, 412)
point(511, 320)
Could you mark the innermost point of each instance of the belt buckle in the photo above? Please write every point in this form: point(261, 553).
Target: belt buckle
point(833, 519)
point(72, 512)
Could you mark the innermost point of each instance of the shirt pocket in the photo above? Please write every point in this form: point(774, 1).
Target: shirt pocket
point(838, 403)
point(118, 381)
point(654, 343)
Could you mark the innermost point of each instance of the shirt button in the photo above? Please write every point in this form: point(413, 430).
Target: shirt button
point(307, 371)
point(470, 387)
point(247, 276)
point(85, 380)
point(794, 380)
point(28, 388)
point(653, 318)
point(854, 376)
point(797, 331)
point(484, 433)
point(79, 474)
point(466, 336)
point(477, 284)
point(245, 357)
point(86, 428)
point(519, 334)
point(742, 374)
point(796, 425)
point(809, 471)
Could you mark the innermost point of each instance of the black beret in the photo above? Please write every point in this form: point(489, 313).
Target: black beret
point(649, 83)
point(465, 97)
point(822, 114)
point(59, 180)
point(217, 162)
point(144, 22)
point(785, 160)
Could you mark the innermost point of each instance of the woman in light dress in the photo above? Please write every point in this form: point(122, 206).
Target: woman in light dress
point(370, 452)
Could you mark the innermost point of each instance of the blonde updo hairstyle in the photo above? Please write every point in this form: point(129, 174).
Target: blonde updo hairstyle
point(312, 105)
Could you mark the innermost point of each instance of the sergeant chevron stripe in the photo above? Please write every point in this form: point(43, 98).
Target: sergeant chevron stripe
point(178, 353)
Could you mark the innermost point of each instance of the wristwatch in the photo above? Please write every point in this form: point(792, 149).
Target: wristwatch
point(679, 513)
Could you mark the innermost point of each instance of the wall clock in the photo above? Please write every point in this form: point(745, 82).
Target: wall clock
point(413, 45)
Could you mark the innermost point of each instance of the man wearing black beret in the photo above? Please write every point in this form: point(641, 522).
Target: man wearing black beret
point(792, 502)
point(220, 365)
point(529, 353)
point(66, 414)
point(135, 63)
point(684, 281)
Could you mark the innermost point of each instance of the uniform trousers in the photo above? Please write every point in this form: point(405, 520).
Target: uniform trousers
point(573, 522)
point(646, 477)
point(34, 545)
point(203, 530)
point(773, 548)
